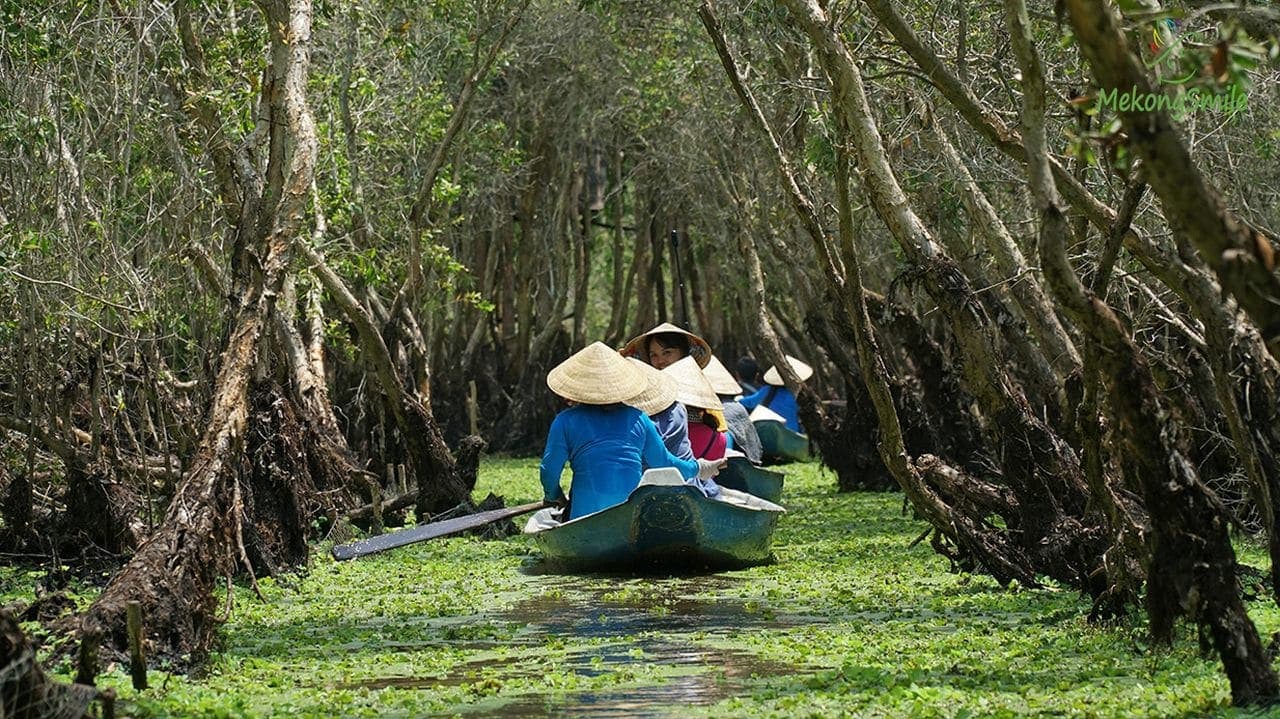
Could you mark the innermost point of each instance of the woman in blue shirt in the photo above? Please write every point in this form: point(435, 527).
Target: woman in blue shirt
point(776, 396)
point(604, 441)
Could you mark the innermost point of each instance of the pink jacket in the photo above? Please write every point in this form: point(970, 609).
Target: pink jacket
point(706, 442)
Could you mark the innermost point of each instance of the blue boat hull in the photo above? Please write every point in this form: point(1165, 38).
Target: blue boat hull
point(665, 527)
point(743, 476)
point(780, 443)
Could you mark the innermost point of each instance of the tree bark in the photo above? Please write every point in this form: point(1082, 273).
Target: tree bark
point(580, 237)
point(1193, 566)
point(1161, 261)
point(1025, 287)
point(440, 485)
point(1229, 335)
point(1041, 469)
point(645, 279)
point(620, 294)
point(172, 575)
point(990, 547)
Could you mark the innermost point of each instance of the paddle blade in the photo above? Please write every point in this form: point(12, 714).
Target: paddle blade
point(423, 532)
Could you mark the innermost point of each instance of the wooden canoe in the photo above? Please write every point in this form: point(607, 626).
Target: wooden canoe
point(664, 524)
point(744, 476)
point(780, 443)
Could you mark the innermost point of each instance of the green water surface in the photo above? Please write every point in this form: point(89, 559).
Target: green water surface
point(850, 621)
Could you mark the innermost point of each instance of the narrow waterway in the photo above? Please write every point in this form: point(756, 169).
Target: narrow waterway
point(851, 620)
point(665, 627)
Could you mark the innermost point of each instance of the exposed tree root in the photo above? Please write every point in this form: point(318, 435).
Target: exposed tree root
point(25, 692)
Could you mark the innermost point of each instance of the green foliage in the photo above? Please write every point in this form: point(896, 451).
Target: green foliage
point(819, 152)
point(17, 132)
point(849, 621)
point(20, 586)
point(370, 267)
point(403, 76)
point(28, 32)
point(17, 585)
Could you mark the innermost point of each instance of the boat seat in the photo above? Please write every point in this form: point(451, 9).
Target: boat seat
point(763, 414)
point(661, 477)
point(743, 499)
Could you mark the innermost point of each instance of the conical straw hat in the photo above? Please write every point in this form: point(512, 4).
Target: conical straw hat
point(596, 374)
point(698, 347)
point(721, 381)
point(692, 387)
point(659, 395)
point(802, 370)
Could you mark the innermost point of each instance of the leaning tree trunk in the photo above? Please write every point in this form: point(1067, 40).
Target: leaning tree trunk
point(1227, 334)
point(173, 574)
point(1193, 565)
point(1042, 471)
point(1023, 285)
point(931, 406)
point(989, 546)
point(440, 484)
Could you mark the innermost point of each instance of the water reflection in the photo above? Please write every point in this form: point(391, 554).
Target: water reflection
point(661, 658)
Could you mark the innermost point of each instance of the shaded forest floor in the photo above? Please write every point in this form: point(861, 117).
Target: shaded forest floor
point(849, 621)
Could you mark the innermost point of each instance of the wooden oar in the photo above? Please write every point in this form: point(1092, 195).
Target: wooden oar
point(423, 532)
point(679, 276)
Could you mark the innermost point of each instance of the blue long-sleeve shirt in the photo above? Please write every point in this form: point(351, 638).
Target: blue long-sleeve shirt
point(783, 402)
point(673, 428)
point(605, 446)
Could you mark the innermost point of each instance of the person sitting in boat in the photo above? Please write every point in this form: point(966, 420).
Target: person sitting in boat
point(673, 421)
point(666, 344)
point(742, 432)
point(774, 394)
point(706, 428)
point(659, 402)
point(603, 440)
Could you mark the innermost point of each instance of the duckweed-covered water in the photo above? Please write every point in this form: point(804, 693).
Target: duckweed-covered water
point(850, 621)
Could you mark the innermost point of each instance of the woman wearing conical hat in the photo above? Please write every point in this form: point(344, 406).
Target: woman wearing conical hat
point(742, 432)
point(777, 397)
point(603, 440)
point(706, 431)
point(659, 402)
point(665, 344)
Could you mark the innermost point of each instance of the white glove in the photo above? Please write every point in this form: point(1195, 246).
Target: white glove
point(708, 468)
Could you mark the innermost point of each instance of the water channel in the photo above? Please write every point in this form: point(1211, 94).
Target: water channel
point(628, 630)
